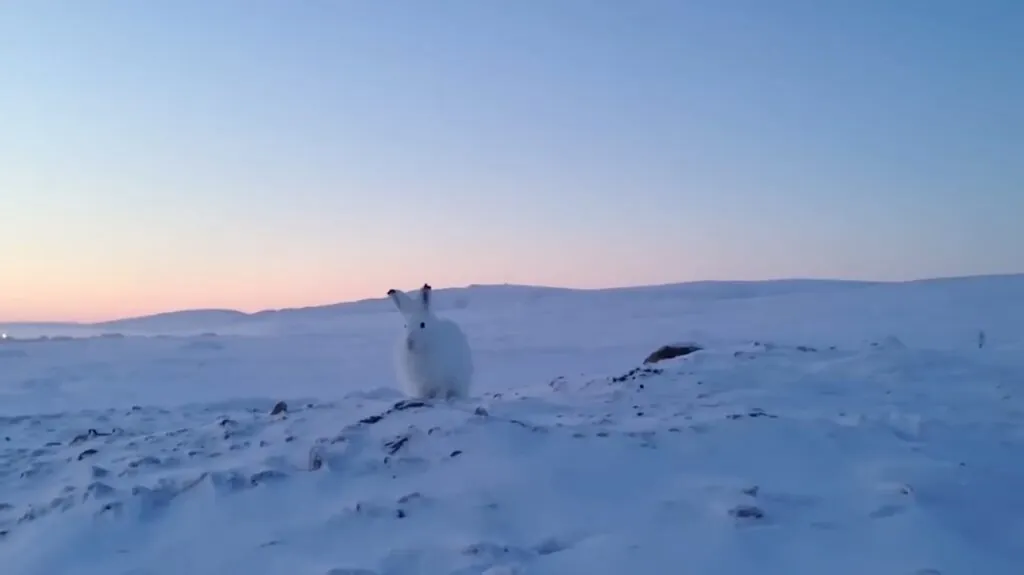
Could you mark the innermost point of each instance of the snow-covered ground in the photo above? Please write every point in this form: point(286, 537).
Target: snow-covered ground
point(826, 427)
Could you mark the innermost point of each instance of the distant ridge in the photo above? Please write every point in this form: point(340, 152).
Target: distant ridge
point(509, 294)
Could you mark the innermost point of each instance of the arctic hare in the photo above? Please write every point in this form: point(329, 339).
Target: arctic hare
point(432, 358)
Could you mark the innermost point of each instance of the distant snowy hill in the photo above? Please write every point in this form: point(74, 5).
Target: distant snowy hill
point(957, 291)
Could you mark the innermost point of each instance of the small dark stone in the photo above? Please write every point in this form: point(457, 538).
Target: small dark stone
point(408, 404)
point(315, 461)
point(395, 444)
point(746, 512)
point(400, 514)
point(279, 407)
point(481, 412)
point(456, 453)
point(671, 351)
point(87, 453)
point(371, 419)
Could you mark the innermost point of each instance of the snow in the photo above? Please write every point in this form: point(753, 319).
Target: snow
point(825, 427)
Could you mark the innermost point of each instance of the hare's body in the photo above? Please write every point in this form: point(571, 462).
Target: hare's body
point(432, 358)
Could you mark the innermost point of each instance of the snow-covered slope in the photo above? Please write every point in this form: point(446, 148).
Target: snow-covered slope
point(828, 429)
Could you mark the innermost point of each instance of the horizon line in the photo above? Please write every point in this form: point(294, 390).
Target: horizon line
point(513, 285)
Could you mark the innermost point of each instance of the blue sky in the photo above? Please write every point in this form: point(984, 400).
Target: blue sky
point(252, 154)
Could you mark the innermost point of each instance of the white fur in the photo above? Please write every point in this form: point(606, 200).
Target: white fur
point(433, 361)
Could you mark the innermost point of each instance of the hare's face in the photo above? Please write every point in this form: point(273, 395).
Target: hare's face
point(418, 328)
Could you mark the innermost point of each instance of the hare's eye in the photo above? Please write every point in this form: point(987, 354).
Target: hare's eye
point(423, 325)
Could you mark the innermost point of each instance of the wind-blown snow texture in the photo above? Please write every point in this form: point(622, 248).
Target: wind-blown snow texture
point(826, 427)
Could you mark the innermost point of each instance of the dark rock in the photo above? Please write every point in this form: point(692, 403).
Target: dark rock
point(315, 461)
point(408, 404)
point(279, 407)
point(550, 546)
point(671, 351)
point(456, 453)
point(87, 453)
point(395, 444)
point(755, 412)
point(747, 512)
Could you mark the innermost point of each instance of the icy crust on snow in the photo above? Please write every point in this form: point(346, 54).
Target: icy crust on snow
point(750, 458)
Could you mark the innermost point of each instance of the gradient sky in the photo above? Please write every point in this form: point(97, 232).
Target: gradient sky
point(252, 153)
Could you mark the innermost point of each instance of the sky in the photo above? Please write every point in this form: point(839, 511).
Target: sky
point(253, 154)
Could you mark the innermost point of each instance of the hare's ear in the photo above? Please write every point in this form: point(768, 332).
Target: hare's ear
point(425, 297)
point(402, 301)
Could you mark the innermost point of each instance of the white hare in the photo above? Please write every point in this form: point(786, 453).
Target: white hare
point(432, 358)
